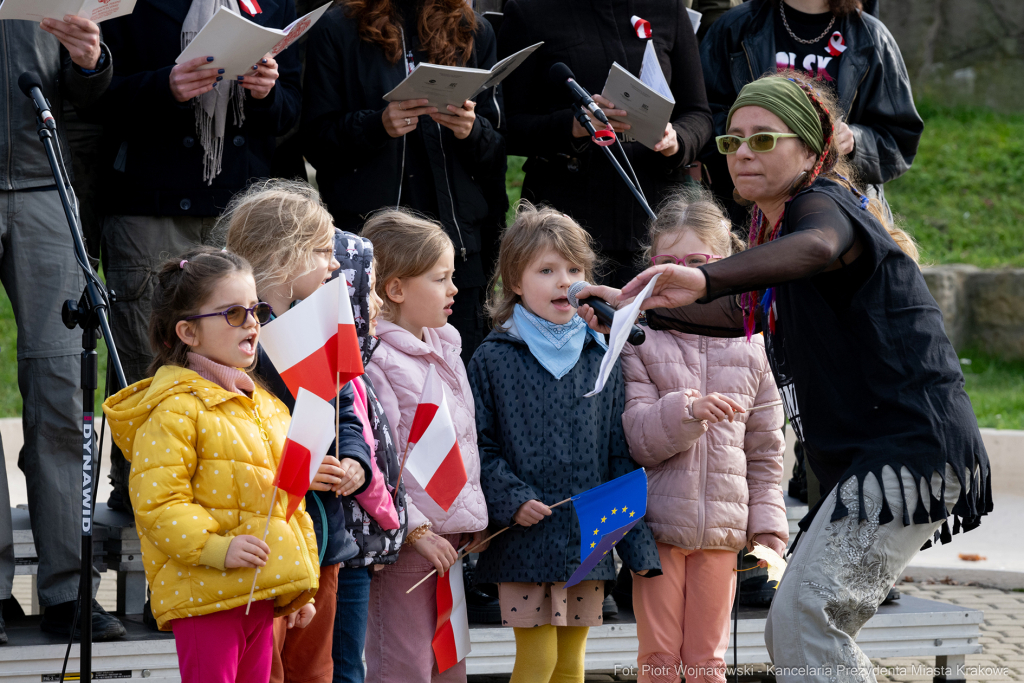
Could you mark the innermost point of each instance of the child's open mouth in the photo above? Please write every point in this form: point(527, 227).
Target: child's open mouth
point(248, 345)
point(561, 304)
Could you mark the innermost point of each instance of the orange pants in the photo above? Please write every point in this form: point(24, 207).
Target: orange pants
point(682, 616)
point(303, 655)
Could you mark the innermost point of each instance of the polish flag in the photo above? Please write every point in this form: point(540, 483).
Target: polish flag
point(309, 436)
point(434, 457)
point(451, 637)
point(314, 341)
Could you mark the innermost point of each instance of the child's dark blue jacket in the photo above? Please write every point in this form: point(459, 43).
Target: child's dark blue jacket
point(539, 438)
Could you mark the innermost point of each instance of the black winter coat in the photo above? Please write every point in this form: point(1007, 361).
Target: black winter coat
point(539, 438)
point(324, 505)
point(150, 153)
point(359, 166)
point(572, 174)
point(874, 89)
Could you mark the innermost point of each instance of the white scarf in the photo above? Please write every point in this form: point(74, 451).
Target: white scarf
point(212, 108)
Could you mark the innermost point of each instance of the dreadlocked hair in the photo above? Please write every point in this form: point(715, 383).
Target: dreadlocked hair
point(831, 165)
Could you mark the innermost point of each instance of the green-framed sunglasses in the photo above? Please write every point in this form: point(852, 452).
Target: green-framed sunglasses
point(758, 142)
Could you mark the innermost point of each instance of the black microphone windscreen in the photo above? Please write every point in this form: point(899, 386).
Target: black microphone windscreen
point(574, 291)
point(559, 73)
point(27, 81)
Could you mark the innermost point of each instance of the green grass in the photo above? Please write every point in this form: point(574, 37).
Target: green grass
point(996, 388)
point(963, 199)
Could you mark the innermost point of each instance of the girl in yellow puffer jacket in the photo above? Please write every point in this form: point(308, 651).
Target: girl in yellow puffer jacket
point(204, 443)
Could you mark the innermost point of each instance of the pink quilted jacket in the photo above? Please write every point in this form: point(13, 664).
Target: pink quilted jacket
point(398, 370)
point(707, 490)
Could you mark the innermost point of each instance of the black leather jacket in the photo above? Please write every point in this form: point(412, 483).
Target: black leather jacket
point(873, 86)
point(26, 47)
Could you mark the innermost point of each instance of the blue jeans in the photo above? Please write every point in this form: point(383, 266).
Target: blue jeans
point(350, 624)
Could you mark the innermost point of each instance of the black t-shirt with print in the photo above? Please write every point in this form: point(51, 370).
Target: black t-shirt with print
point(820, 59)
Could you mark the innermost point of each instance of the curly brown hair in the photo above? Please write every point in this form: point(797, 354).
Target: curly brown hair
point(445, 28)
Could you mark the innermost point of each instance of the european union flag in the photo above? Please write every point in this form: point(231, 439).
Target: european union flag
point(607, 513)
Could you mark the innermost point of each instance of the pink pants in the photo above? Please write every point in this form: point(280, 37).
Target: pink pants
point(225, 647)
point(400, 627)
point(682, 616)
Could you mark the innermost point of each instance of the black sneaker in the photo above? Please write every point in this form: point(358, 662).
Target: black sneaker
point(893, 595)
point(3, 627)
point(57, 620)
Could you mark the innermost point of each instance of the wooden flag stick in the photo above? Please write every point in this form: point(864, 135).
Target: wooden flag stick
point(467, 551)
point(749, 410)
point(266, 528)
point(337, 419)
point(405, 456)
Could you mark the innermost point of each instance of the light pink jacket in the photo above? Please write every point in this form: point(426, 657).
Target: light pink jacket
point(398, 370)
point(713, 490)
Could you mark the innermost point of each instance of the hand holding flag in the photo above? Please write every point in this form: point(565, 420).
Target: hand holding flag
point(451, 637)
point(309, 436)
point(437, 466)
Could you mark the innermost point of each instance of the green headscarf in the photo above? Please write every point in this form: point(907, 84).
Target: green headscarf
point(785, 99)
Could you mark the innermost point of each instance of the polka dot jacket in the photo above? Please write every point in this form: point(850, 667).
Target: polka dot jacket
point(539, 438)
point(201, 475)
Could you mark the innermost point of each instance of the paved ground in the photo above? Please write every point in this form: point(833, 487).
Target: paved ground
point(1002, 636)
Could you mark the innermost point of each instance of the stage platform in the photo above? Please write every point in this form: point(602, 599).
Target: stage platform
point(910, 627)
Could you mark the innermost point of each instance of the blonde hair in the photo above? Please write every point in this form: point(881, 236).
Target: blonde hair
point(405, 244)
point(692, 208)
point(533, 229)
point(276, 225)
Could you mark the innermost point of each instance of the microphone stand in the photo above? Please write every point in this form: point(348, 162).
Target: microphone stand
point(581, 115)
point(90, 314)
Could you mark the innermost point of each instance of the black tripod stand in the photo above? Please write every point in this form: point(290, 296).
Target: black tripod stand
point(90, 314)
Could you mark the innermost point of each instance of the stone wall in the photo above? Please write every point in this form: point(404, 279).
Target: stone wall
point(983, 309)
point(969, 51)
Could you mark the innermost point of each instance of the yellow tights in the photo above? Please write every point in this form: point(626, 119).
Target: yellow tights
point(550, 653)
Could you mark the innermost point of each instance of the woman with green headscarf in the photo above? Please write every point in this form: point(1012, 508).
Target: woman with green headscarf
point(870, 382)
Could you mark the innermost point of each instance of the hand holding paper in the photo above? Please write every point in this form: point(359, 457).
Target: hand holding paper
point(80, 36)
point(622, 325)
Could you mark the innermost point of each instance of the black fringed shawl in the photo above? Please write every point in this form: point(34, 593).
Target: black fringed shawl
point(866, 372)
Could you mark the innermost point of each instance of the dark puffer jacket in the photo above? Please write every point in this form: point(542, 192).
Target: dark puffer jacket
point(376, 544)
point(541, 439)
point(874, 90)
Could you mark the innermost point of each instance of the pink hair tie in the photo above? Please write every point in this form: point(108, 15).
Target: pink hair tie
point(182, 264)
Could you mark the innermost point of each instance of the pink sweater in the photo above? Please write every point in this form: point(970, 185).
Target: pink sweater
point(713, 490)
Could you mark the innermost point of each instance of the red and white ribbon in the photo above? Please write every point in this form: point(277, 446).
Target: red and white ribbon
point(251, 7)
point(641, 26)
point(836, 44)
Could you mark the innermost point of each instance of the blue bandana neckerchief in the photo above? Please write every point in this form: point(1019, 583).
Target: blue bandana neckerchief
point(556, 347)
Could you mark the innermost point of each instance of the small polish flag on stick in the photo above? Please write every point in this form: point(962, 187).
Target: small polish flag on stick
point(641, 26)
point(451, 637)
point(309, 436)
point(437, 465)
point(314, 345)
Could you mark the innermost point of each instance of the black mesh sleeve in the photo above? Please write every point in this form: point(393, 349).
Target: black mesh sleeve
point(820, 234)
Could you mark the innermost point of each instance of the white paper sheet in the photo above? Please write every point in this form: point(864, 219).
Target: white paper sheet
point(37, 10)
point(695, 18)
point(622, 324)
point(652, 75)
point(444, 85)
point(236, 44)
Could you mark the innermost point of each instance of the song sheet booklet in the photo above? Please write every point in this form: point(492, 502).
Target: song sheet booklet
point(444, 85)
point(37, 10)
point(236, 44)
point(647, 100)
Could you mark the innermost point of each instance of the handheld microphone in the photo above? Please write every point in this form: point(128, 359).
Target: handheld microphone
point(560, 73)
point(30, 85)
point(604, 311)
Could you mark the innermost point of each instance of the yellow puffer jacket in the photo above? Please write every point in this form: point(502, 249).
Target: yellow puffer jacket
point(201, 475)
